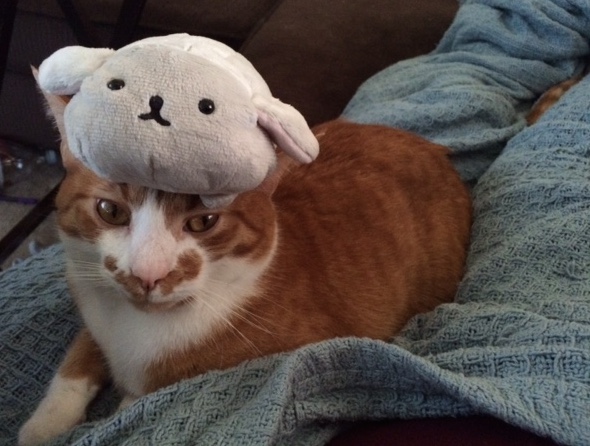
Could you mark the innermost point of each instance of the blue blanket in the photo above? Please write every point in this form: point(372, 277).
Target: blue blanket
point(515, 345)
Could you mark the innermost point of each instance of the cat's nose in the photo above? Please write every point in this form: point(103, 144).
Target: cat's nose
point(149, 285)
point(150, 279)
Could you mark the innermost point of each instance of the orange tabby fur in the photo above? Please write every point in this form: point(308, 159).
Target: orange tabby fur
point(371, 233)
point(549, 98)
point(366, 242)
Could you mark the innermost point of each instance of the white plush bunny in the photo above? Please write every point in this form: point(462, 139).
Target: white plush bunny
point(178, 113)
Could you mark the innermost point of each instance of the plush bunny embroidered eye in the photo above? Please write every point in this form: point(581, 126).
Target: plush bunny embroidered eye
point(179, 113)
point(116, 84)
point(206, 106)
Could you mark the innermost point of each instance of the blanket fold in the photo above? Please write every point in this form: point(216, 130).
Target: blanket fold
point(473, 91)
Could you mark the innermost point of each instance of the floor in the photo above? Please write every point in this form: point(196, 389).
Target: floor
point(27, 175)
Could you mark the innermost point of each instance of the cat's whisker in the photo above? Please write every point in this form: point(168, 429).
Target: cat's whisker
point(232, 326)
point(90, 279)
point(195, 302)
point(265, 297)
point(262, 296)
point(78, 264)
point(229, 323)
point(234, 312)
point(86, 272)
point(86, 268)
point(250, 315)
point(238, 311)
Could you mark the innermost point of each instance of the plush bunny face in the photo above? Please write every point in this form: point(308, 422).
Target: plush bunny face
point(190, 120)
point(180, 118)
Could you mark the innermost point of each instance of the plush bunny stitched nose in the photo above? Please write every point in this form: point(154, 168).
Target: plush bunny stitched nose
point(156, 104)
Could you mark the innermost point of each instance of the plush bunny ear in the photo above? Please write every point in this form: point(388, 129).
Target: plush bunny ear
point(217, 200)
point(287, 128)
point(62, 73)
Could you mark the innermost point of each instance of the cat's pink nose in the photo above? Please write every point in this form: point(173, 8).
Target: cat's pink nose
point(149, 284)
point(149, 280)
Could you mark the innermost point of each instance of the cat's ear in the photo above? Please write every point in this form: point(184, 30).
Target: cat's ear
point(56, 106)
point(270, 183)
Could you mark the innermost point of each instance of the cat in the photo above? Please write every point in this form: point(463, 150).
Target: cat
point(550, 98)
point(373, 232)
point(554, 94)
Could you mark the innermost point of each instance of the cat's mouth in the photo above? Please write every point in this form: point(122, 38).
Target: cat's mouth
point(152, 301)
point(158, 307)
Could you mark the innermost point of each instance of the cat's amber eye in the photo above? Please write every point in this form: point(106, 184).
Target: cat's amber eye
point(112, 213)
point(201, 223)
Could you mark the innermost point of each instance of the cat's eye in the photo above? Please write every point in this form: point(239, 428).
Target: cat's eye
point(201, 223)
point(112, 213)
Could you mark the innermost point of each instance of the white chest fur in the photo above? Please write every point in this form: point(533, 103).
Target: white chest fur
point(132, 339)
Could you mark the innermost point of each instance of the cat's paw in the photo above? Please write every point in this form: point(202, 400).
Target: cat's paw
point(63, 407)
point(43, 426)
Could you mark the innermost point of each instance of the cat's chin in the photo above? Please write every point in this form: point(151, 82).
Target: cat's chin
point(158, 307)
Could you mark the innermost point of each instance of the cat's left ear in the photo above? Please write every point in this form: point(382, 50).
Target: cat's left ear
point(270, 183)
point(56, 105)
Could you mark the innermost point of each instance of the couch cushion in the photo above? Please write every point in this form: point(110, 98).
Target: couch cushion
point(315, 57)
point(229, 20)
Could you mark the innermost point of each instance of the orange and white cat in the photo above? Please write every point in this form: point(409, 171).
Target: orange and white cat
point(354, 244)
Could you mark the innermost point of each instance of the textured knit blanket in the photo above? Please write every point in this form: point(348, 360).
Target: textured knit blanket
point(515, 345)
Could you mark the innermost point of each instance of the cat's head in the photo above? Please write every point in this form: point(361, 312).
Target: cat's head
point(157, 249)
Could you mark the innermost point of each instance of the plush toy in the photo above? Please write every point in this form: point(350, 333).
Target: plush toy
point(178, 113)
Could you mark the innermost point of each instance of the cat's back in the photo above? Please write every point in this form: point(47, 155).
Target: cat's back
point(357, 158)
point(379, 174)
point(380, 219)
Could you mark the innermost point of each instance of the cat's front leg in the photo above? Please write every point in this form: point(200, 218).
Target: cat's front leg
point(79, 378)
point(127, 401)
